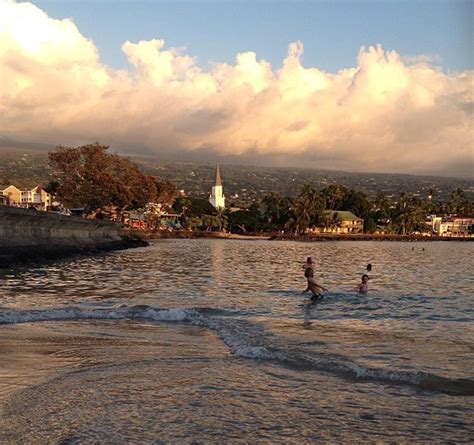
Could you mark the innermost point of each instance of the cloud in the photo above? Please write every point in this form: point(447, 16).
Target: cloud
point(388, 113)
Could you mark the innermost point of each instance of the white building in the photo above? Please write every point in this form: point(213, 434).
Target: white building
point(35, 197)
point(217, 198)
point(452, 226)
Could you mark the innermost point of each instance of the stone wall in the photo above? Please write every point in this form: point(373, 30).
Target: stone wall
point(26, 234)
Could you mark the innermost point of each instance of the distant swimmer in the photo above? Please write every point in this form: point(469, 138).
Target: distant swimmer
point(369, 267)
point(363, 287)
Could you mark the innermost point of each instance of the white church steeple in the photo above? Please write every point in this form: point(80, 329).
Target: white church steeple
point(217, 198)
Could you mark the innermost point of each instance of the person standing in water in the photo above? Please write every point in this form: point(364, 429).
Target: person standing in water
point(312, 286)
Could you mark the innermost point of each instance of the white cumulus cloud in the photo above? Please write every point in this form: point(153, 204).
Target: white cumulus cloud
point(387, 113)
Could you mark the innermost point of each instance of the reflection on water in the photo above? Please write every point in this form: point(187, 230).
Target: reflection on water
point(245, 353)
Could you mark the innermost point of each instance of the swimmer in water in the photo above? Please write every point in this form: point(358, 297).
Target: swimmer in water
point(363, 287)
point(313, 286)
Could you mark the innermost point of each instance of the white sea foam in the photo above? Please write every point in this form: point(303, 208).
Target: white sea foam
point(413, 378)
point(244, 339)
point(75, 313)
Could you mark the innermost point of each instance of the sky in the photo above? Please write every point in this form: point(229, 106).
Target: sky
point(380, 86)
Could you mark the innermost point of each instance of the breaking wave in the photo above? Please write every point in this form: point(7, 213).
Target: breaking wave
point(249, 340)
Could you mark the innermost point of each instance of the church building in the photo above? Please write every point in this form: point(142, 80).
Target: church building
point(217, 198)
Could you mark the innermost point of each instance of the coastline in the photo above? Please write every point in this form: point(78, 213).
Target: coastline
point(32, 236)
point(28, 236)
point(365, 237)
point(184, 234)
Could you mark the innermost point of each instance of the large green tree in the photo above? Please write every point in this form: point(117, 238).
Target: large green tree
point(245, 220)
point(191, 207)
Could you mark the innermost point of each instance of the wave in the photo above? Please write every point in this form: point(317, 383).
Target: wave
point(248, 339)
point(141, 312)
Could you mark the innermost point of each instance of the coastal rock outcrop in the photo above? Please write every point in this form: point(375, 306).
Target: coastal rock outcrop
point(29, 235)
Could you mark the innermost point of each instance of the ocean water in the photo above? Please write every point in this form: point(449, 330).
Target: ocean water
point(211, 341)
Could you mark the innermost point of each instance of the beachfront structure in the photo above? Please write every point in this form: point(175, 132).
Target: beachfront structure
point(452, 226)
point(13, 194)
point(36, 197)
point(340, 221)
point(145, 220)
point(217, 198)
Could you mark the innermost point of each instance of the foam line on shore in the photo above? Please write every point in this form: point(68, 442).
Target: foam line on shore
point(249, 340)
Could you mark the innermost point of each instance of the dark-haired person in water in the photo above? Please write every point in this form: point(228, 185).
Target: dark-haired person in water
point(309, 263)
point(363, 287)
point(313, 286)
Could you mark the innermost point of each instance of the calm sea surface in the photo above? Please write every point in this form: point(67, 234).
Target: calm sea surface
point(211, 341)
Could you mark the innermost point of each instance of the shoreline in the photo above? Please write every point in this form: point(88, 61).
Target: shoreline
point(366, 237)
point(184, 234)
point(13, 256)
point(28, 236)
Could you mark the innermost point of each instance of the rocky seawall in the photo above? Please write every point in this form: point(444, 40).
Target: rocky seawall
point(29, 235)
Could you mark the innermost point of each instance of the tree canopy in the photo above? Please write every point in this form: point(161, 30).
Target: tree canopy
point(91, 178)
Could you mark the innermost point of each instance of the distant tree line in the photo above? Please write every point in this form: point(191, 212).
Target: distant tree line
point(276, 213)
point(106, 185)
point(308, 209)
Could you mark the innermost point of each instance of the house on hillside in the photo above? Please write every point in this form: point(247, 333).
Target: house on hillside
point(13, 194)
point(340, 221)
point(37, 197)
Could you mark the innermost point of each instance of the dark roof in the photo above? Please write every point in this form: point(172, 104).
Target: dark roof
point(217, 180)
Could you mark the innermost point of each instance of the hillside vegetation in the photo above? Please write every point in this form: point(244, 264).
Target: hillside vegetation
point(244, 184)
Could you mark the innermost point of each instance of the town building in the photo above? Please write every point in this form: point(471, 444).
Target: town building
point(217, 198)
point(340, 221)
point(451, 226)
point(36, 197)
point(13, 194)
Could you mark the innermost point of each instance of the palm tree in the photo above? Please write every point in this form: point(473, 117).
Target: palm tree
point(334, 196)
point(382, 209)
point(221, 219)
point(409, 214)
point(299, 216)
point(272, 205)
point(357, 203)
point(313, 204)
